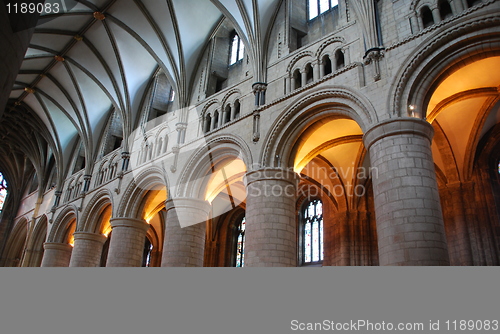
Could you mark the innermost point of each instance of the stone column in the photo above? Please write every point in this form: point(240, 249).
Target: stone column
point(56, 254)
point(316, 74)
point(185, 231)
point(212, 122)
point(414, 24)
point(410, 225)
point(224, 115)
point(221, 118)
point(233, 112)
point(436, 15)
point(288, 85)
point(126, 246)
point(457, 6)
point(321, 65)
point(303, 78)
point(87, 250)
point(271, 220)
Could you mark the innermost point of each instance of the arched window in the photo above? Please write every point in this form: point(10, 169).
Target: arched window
point(445, 9)
point(312, 232)
point(227, 114)
point(317, 7)
point(471, 3)
point(297, 79)
point(236, 109)
point(216, 119)
point(240, 244)
point(327, 63)
point(309, 73)
point(427, 18)
point(3, 191)
point(237, 49)
point(339, 59)
point(208, 122)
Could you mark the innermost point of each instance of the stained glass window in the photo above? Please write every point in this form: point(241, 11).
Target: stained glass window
point(499, 167)
point(313, 232)
point(3, 191)
point(237, 49)
point(317, 7)
point(240, 244)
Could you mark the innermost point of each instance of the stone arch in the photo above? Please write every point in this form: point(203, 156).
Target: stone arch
point(90, 217)
point(230, 96)
point(422, 72)
point(417, 4)
point(195, 172)
point(321, 50)
point(293, 63)
point(16, 243)
point(322, 102)
point(208, 113)
point(62, 225)
point(162, 140)
point(132, 202)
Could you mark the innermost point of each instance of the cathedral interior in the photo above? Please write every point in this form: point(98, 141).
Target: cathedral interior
point(238, 133)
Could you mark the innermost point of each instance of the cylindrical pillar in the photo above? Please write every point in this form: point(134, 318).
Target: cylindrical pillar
point(271, 222)
point(185, 230)
point(316, 71)
point(410, 225)
point(415, 28)
point(321, 65)
point(126, 246)
point(303, 77)
point(436, 15)
point(87, 250)
point(56, 254)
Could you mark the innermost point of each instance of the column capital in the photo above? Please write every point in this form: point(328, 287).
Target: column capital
point(139, 224)
point(394, 127)
point(57, 246)
point(259, 86)
point(89, 236)
point(189, 211)
point(272, 173)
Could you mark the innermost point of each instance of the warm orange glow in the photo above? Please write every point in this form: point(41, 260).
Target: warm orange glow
point(226, 175)
point(155, 199)
point(480, 74)
point(316, 136)
point(107, 230)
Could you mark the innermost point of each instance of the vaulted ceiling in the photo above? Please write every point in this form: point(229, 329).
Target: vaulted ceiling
point(100, 56)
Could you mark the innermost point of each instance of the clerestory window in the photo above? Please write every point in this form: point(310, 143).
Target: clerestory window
point(318, 7)
point(237, 49)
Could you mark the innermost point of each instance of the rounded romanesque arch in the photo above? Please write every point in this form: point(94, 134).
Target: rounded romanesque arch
point(91, 218)
point(439, 55)
point(132, 204)
point(64, 225)
point(192, 182)
point(331, 102)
